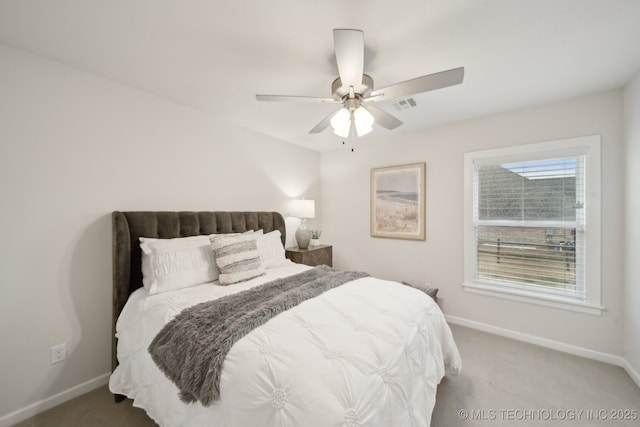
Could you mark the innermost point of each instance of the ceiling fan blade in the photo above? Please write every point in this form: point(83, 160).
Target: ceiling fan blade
point(420, 84)
point(324, 123)
point(287, 98)
point(383, 118)
point(349, 47)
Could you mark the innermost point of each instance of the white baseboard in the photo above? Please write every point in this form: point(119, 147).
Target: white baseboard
point(55, 400)
point(632, 373)
point(544, 342)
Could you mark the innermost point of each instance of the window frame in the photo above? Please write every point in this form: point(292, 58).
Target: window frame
point(589, 146)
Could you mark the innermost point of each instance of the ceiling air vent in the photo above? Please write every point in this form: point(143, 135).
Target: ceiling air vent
point(404, 104)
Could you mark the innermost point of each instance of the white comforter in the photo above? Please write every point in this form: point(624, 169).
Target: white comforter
point(370, 353)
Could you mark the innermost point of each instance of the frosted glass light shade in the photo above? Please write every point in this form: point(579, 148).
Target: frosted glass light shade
point(363, 121)
point(362, 131)
point(341, 122)
point(302, 208)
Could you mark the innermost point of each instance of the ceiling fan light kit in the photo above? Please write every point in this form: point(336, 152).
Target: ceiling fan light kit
point(353, 114)
point(354, 90)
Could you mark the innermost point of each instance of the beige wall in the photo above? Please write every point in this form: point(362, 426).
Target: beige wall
point(632, 227)
point(73, 148)
point(439, 259)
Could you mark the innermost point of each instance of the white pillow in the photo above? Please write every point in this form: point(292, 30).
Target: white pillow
point(271, 250)
point(170, 264)
point(237, 257)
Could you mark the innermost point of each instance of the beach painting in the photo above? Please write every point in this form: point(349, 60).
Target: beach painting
point(398, 201)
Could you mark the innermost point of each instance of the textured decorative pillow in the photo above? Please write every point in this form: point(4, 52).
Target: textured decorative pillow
point(271, 250)
point(170, 264)
point(237, 257)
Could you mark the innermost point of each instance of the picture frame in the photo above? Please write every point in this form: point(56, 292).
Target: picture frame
point(398, 201)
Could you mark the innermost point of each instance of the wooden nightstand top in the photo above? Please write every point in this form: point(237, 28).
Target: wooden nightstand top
point(314, 255)
point(309, 249)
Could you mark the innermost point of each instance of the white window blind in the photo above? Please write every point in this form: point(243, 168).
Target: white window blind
point(532, 223)
point(529, 223)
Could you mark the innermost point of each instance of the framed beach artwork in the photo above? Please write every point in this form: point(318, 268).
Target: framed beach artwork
point(398, 201)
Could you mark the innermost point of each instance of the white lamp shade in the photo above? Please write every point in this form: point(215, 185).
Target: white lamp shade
point(363, 120)
point(302, 208)
point(341, 122)
point(362, 130)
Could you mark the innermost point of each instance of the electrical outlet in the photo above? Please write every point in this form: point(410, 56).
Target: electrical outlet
point(58, 353)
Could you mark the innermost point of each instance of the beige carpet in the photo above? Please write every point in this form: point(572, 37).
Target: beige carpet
point(503, 383)
point(510, 383)
point(94, 409)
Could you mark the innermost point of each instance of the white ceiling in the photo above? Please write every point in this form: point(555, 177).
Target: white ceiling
point(216, 55)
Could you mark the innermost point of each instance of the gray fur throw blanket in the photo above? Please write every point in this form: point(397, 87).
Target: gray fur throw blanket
point(191, 348)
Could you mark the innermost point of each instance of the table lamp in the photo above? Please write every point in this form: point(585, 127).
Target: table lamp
point(303, 209)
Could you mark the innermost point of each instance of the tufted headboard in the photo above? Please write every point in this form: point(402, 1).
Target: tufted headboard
point(128, 227)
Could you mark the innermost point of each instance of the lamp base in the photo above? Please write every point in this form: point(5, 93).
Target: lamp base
point(303, 237)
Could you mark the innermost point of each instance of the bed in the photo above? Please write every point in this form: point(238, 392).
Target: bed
point(363, 352)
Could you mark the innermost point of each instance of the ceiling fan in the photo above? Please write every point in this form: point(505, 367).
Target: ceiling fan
point(354, 90)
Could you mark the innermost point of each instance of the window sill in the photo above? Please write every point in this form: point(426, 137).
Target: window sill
point(528, 297)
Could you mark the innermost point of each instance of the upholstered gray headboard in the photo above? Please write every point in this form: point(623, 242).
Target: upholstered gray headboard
point(128, 227)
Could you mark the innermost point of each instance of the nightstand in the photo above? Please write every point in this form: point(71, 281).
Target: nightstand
point(315, 255)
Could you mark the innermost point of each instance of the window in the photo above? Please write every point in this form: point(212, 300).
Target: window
point(532, 223)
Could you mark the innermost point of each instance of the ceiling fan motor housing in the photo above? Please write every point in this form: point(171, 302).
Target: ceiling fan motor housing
point(363, 90)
